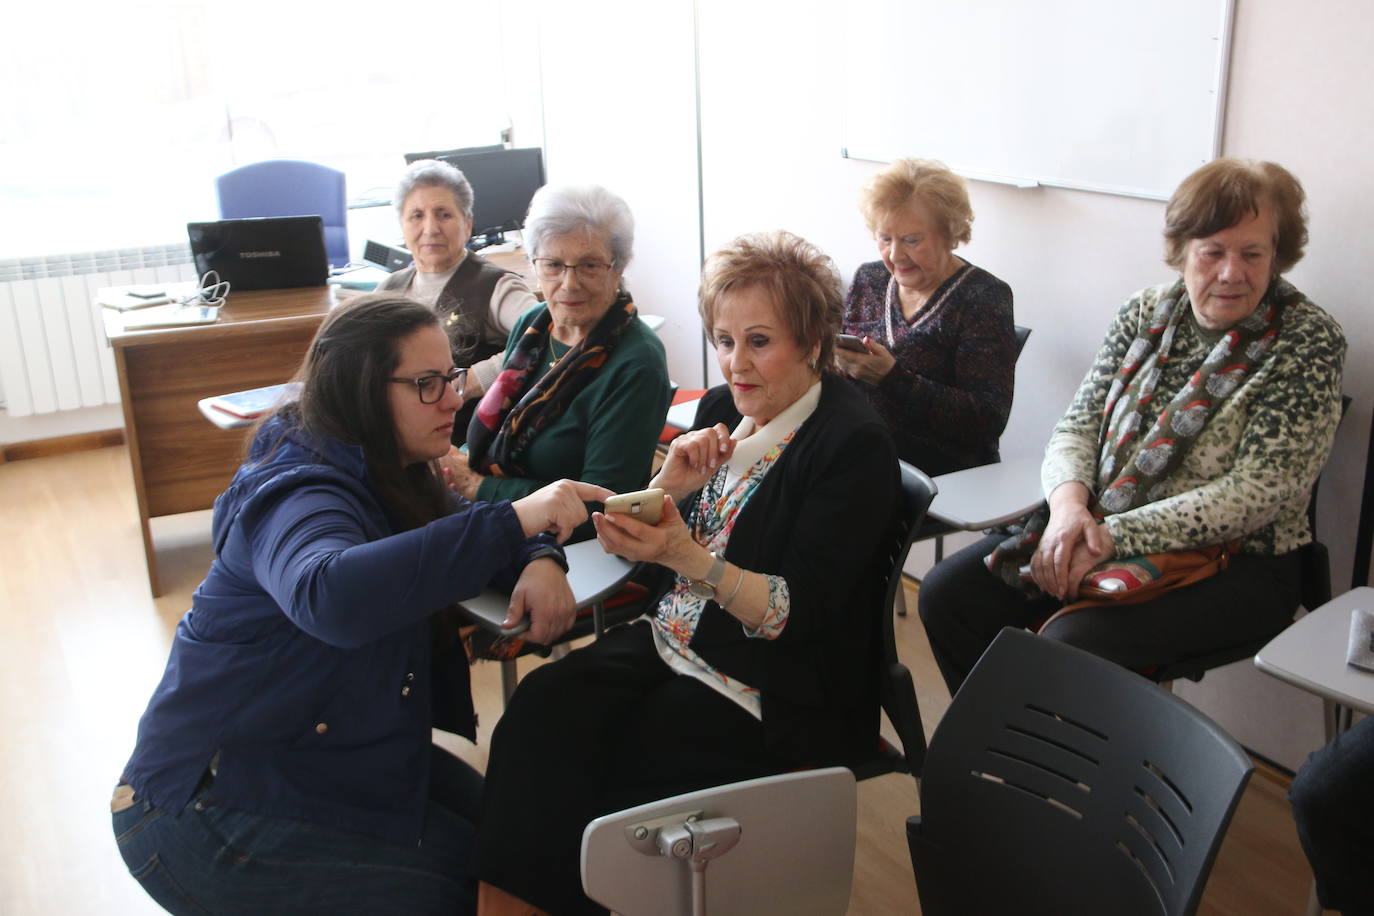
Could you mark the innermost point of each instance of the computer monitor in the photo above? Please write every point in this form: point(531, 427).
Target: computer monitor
point(503, 181)
point(441, 153)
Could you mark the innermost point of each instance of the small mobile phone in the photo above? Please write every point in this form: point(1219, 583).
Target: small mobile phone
point(850, 342)
point(645, 505)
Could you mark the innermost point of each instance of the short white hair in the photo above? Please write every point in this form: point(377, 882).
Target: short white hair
point(433, 173)
point(559, 210)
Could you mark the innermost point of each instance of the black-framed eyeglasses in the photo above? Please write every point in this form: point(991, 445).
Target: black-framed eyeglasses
point(587, 271)
point(430, 387)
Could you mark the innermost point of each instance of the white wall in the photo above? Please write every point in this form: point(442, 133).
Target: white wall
point(618, 95)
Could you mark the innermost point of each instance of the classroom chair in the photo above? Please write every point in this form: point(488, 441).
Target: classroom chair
point(289, 187)
point(1059, 782)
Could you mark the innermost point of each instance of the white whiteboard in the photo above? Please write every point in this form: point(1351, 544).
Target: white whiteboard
point(1119, 96)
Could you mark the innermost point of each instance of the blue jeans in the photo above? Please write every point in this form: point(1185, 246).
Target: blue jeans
point(1333, 804)
point(209, 859)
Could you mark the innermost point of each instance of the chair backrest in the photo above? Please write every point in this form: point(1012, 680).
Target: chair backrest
point(794, 852)
point(897, 689)
point(289, 187)
point(1021, 334)
point(1059, 782)
point(1364, 530)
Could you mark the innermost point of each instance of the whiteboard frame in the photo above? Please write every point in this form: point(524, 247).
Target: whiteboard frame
point(1221, 72)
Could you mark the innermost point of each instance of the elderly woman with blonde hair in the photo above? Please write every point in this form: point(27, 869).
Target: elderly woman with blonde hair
point(936, 348)
point(759, 653)
point(1179, 478)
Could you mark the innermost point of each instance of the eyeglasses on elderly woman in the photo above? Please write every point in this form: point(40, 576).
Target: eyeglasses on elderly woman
point(430, 387)
point(552, 269)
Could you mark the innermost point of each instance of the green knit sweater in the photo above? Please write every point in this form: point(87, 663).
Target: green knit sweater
point(608, 433)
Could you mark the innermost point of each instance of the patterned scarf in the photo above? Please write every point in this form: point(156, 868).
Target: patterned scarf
point(516, 406)
point(1133, 469)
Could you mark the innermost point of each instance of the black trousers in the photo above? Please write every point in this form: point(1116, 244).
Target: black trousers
point(964, 606)
point(608, 727)
point(1333, 804)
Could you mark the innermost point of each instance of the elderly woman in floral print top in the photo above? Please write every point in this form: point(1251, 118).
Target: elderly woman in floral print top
point(1203, 423)
point(760, 654)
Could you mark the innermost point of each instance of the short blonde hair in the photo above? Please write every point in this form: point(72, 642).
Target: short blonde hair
point(801, 279)
point(927, 182)
point(1221, 193)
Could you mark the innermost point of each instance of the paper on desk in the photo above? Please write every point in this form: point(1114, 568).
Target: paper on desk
point(1360, 653)
point(170, 316)
point(141, 295)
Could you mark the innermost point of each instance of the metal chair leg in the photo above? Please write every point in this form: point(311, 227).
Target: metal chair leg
point(509, 678)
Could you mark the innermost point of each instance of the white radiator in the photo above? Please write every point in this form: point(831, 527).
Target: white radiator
point(53, 354)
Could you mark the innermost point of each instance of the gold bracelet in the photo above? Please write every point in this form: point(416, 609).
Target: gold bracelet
point(735, 590)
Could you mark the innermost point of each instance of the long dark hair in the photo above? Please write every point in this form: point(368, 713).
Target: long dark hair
point(343, 396)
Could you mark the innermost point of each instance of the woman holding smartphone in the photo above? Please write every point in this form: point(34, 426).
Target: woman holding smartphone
point(930, 341)
point(285, 764)
point(759, 654)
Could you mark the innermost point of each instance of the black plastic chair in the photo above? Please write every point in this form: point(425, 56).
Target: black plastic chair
point(898, 691)
point(1059, 782)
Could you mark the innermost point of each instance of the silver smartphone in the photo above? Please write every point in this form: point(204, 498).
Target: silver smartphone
point(645, 505)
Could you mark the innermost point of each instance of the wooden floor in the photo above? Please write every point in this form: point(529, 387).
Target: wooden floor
point(84, 643)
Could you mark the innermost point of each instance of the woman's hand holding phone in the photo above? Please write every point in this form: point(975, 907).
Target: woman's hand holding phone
point(668, 542)
point(870, 363)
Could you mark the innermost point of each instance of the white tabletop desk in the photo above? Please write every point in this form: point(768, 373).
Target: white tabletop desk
point(1310, 655)
point(987, 496)
point(594, 576)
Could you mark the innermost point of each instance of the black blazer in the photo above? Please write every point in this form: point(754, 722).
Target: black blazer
point(817, 519)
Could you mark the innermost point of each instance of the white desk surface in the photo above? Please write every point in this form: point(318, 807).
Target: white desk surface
point(680, 416)
point(1310, 654)
point(988, 496)
point(593, 574)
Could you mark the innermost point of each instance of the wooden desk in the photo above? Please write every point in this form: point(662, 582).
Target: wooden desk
point(181, 463)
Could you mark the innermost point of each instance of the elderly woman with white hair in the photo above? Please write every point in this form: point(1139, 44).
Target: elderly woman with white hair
point(477, 302)
point(584, 388)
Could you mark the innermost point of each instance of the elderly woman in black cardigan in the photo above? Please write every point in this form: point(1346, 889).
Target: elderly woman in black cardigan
point(758, 656)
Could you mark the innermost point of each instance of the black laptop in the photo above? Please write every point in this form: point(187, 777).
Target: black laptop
point(268, 252)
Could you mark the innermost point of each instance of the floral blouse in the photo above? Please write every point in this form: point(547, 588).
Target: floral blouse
point(717, 508)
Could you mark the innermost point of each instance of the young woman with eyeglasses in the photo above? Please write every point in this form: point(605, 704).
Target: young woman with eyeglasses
point(284, 763)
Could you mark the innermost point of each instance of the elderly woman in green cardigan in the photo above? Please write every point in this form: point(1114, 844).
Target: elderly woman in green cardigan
point(584, 388)
point(1192, 443)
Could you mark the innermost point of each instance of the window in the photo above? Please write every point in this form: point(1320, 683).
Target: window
point(117, 127)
